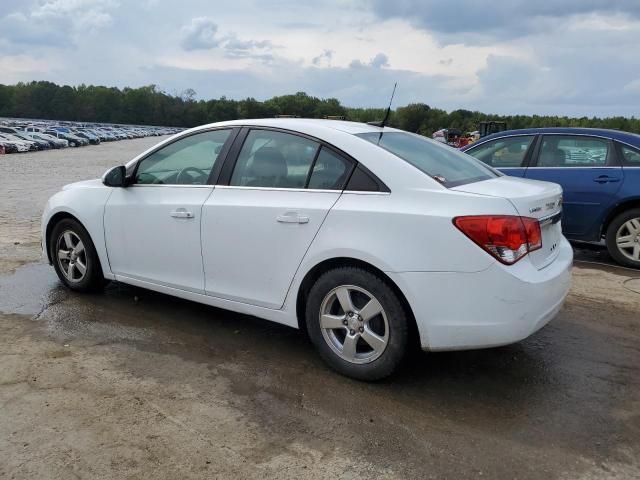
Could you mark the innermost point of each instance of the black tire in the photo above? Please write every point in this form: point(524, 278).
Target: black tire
point(612, 232)
point(92, 279)
point(396, 326)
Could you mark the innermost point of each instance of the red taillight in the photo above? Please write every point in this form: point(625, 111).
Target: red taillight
point(508, 238)
point(534, 234)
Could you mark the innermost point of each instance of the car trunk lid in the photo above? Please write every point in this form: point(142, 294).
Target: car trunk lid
point(533, 199)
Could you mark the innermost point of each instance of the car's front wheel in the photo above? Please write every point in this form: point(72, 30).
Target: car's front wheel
point(357, 323)
point(74, 257)
point(623, 238)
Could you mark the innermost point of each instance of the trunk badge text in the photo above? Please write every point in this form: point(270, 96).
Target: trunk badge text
point(547, 206)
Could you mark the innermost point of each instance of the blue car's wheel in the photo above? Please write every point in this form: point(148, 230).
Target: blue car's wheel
point(623, 238)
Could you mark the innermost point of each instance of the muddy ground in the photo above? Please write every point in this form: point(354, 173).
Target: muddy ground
point(134, 384)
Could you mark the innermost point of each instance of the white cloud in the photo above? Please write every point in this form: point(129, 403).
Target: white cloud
point(324, 59)
point(378, 61)
point(57, 23)
point(513, 56)
point(200, 33)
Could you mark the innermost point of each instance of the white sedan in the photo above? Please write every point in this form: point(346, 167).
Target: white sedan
point(368, 238)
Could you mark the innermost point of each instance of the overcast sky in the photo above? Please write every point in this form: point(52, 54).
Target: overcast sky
point(567, 57)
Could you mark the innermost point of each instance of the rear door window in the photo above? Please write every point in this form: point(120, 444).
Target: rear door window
point(573, 151)
point(274, 159)
point(330, 171)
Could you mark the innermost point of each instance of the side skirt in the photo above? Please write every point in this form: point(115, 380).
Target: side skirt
point(278, 316)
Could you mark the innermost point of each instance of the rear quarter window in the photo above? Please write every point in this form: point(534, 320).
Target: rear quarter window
point(630, 156)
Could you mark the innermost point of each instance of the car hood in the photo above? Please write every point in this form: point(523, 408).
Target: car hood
point(95, 183)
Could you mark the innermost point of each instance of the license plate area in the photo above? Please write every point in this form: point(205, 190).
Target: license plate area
point(551, 230)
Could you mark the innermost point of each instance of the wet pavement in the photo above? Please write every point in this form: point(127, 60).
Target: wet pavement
point(136, 384)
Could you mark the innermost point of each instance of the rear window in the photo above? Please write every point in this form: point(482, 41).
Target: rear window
point(443, 163)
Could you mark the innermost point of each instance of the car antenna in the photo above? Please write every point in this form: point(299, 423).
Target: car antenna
point(387, 114)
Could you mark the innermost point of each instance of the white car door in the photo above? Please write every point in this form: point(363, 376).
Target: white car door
point(257, 228)
point(152, 227)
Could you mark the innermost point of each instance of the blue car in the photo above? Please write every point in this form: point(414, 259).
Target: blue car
point(599, 171)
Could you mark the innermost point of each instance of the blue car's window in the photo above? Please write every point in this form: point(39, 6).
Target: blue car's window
point(503, 152)
point(630, 156)
point(573, 151)
point(441, 162)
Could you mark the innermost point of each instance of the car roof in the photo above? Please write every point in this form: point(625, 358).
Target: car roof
point(625, 137)
point(310, 126)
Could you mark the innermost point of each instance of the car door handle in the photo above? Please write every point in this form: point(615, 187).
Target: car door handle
point(292, 217)
point(181, 213)
point(606, 179)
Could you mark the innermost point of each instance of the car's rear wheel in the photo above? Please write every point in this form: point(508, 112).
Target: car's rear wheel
point(357, 323)
point(623, 238)
point(74, 257)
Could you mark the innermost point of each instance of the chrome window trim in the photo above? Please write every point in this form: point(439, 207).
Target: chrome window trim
point(179, 185)
point(238, 187)
point(475, 144)
point(580, 166)
point(277, 189)
point(478, 143)
point(365, 192)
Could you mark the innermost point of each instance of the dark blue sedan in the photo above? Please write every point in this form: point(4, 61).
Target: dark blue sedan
point(598, 169)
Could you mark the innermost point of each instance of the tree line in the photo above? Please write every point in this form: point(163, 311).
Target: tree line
point(149, 105)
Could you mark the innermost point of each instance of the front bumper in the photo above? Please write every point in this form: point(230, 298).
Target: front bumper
point(497, 306)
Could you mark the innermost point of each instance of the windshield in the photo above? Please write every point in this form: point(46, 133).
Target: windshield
point(445, 164)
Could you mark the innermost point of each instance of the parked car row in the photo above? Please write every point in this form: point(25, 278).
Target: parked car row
point(21, 136)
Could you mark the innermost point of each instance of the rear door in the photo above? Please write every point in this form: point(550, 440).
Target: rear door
point(585, 167)
point(257, 227)
point(509, 154)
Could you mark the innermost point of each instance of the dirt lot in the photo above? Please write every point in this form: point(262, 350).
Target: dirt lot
point(134, 384)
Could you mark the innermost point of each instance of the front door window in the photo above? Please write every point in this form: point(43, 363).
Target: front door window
point(188, 161)
point(503, 152)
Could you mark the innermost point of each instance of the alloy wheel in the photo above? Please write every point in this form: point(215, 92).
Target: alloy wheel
point(354, 324)
point(628, 239)
point(72, 256)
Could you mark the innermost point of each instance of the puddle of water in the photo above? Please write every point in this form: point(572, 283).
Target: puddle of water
point(30, 289)
point(34, 290)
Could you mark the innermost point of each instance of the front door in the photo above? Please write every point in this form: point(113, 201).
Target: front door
point(257, 229)
point(507, 154)
point(585, 168)
point(152, 227)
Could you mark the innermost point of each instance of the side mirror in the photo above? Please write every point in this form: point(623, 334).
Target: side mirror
point(115, 177)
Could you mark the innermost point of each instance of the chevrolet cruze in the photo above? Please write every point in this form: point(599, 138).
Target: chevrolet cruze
point(368, 238)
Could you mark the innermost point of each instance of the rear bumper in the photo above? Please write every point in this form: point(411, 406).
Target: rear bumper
point(497, 306)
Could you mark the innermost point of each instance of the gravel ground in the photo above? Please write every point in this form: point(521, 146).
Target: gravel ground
point(135, 384)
